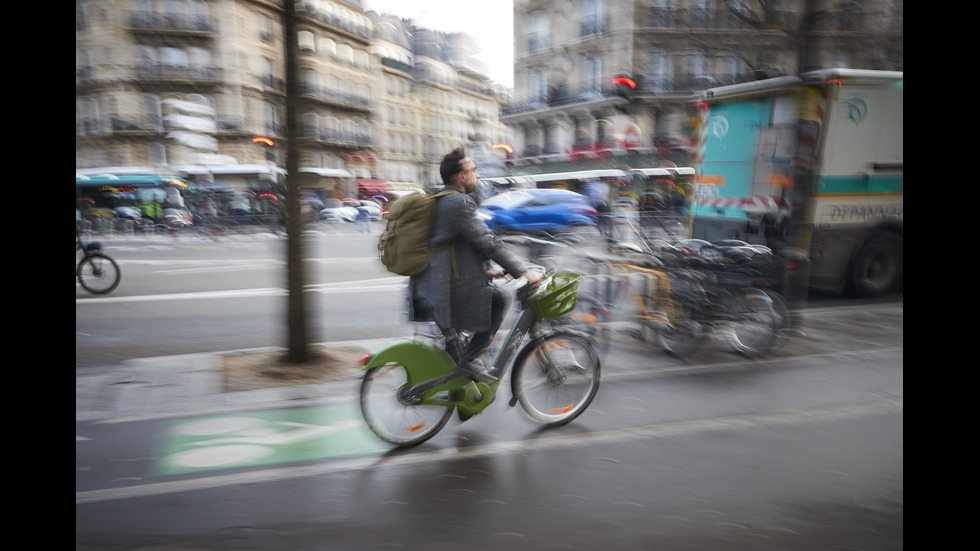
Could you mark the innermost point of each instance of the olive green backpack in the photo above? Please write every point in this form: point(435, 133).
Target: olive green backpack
point(404, 244)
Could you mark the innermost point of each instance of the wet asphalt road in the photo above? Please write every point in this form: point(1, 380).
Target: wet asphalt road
point(802, 451)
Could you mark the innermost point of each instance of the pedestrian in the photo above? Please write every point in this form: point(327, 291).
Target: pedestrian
point(455, 290)
point(363, 220)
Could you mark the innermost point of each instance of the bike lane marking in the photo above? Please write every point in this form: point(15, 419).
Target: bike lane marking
point(253, 439)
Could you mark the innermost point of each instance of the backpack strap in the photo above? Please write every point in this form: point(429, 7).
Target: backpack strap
point(452, 252)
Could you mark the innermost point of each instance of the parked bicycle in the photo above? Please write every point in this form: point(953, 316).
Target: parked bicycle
point(96, 271)
point(680, 295)
point(410, 389)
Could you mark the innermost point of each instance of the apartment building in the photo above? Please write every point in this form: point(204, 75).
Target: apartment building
point(197, 88)
point(611, 81)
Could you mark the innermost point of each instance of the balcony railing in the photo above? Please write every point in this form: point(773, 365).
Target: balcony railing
point(659, 85)
point(347, 99)
point(158, 71)
point(156, 21)
point(699, 18)
point(561, 95)
point(339, 137)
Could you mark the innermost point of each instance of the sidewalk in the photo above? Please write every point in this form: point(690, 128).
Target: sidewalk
point(193, 384)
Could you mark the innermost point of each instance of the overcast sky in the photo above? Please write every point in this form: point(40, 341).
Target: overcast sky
point(491, 23)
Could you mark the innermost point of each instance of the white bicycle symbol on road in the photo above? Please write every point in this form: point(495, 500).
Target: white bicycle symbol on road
point(241, 440)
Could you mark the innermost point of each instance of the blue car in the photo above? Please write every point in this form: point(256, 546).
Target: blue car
point(537, 210)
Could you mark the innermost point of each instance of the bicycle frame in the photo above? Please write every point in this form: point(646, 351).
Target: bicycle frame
point(431, 371)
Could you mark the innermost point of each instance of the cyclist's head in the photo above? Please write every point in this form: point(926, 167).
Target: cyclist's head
point(452, 164)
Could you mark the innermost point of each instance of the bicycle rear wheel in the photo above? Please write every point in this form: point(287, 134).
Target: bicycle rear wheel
point(556, 377)
point(680, 335)
point(391, 417)
point(98, 273)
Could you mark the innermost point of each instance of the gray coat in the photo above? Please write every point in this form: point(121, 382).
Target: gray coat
point(454, 290)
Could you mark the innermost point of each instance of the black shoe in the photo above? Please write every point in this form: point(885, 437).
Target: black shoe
point(474, 370)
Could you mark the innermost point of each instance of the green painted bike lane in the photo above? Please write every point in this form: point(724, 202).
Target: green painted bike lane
point(252, 439)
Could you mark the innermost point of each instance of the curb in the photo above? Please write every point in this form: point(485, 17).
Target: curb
point(171, 386)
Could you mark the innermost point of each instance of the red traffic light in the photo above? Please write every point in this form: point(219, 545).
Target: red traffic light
point(266, 141)
point(623, 80)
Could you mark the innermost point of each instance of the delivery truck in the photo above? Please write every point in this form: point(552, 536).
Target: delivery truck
point(810, 163)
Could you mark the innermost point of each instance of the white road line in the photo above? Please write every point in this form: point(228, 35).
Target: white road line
point(374, 286)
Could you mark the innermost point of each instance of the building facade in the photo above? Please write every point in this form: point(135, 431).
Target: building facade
point(197, 88)
point(611, 81)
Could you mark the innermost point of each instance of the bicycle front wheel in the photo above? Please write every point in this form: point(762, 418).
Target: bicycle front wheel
point(391, 416)
point(590, 317)
point(556, 377)
point(98, 273)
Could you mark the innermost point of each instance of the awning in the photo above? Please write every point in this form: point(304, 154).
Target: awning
point(372, 187)
point(663, 172)
point(578, 175)
point(327, 172)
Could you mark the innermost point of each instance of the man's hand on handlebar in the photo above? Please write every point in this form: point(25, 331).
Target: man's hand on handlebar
point(532, 277)
point(496, 272)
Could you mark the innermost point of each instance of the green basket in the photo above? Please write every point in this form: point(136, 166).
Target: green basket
point(556, 296)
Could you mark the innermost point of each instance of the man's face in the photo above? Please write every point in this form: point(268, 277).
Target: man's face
point(468, 177)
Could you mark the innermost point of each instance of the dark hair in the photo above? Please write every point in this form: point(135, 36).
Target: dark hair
point(451, 164)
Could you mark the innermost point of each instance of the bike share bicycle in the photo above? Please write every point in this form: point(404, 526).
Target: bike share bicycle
point(410, 389)
point(96, 271)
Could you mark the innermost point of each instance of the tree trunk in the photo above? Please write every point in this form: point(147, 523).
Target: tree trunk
point(298, 349)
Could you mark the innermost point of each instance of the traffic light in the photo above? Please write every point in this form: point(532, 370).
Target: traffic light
point(625, 86)
point(268, 145)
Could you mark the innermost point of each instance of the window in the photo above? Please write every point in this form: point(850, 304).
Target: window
point(88, 116)
point(537, 87)
point(659, 70)
point(157, 153)
point(306, 41)
point(271, 118)
point(345, 53)
point(696, 63)
point(308, 81)
point(662, 13)
point(268, 68)
point(594, 20)
point(539, 35)
point(152, 113)
point(265, 29)
point(199, 58)
point(311, 125)
point(591, 75)
point(174, 57)
point(328, 47)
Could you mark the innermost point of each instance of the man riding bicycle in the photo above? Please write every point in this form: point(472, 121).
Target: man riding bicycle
point(455, 290)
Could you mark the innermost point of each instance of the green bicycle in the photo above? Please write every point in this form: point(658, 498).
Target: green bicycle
point(410, 389)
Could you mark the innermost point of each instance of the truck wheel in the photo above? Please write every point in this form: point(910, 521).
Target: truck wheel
point(878, 268)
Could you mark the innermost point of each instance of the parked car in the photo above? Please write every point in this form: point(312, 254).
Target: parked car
point(537, 210)
point(346, 210)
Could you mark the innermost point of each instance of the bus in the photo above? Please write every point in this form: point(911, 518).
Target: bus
point(102, 200)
